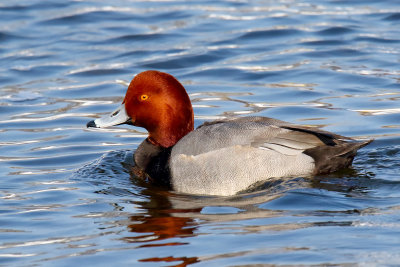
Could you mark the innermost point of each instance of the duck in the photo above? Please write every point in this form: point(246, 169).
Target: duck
point(222, 157)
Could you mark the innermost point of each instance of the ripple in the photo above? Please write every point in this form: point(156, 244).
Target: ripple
point(325, 42)
point(87, 16)
point(273, 33)
point(185, 61)
point(376, 39)
point(31, 6)
point(96, 69)
point(143, 37)
point(335, 31)
point(339, 52)
point(39, 69)
point(393, 17)
point(8, 37)
point(370, 112)
point(13, 8)
point(22, 96)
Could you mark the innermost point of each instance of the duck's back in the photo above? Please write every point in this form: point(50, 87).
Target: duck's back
point(225, 157)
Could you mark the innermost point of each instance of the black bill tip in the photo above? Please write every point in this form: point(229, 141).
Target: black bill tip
point(91, 124)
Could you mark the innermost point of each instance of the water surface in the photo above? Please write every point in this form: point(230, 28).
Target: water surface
point(67, 194)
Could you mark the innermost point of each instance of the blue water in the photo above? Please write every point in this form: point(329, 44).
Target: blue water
point(67, 197)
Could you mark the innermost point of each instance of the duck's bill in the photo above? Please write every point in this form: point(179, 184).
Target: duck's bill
point(116, 117)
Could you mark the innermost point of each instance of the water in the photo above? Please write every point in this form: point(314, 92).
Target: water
point(67, 195)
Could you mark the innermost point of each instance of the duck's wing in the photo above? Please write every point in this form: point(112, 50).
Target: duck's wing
point(329, 151)
point(258, 132)
point(287, 141)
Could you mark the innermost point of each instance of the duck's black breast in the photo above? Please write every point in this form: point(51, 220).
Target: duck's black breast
point(154, 161)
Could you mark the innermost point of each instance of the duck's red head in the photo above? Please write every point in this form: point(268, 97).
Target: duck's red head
point(157, 102)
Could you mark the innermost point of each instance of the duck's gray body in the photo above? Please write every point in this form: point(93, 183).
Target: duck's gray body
point(225, 157)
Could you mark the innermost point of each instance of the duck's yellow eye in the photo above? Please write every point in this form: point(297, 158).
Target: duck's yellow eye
point(144, 97)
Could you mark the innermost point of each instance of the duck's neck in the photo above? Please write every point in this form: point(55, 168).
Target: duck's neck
point(168, 135)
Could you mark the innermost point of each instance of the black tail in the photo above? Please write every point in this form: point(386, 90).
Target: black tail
point(331, 158)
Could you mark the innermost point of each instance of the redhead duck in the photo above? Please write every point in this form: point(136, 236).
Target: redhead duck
point(221, 157)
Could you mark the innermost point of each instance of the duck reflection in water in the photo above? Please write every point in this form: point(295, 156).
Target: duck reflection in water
point(159, 224)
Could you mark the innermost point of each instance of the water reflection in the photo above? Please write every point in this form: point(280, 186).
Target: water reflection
point(168, 219)
point(158, 226)
point(157, 223)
